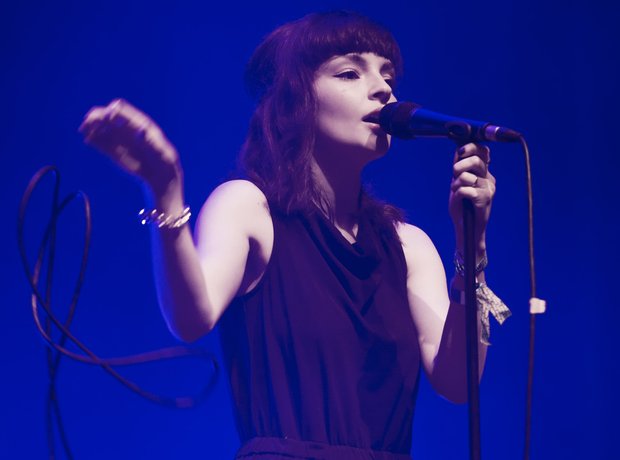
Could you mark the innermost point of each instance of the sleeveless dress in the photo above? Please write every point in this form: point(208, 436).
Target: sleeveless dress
point(322, 355)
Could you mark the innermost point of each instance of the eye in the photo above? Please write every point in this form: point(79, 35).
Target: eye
point(390, 81)
point(348, 75)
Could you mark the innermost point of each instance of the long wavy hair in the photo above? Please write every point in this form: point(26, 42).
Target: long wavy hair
point(277, 153)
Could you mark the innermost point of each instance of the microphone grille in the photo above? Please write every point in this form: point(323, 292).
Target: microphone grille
point(395, 117)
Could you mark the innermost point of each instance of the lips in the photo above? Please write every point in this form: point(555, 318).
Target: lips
point(372, 117)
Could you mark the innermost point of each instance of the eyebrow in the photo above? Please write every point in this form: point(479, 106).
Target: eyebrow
point(357, 58)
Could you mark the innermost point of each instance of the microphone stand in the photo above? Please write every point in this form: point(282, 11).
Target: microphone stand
point(471, 322)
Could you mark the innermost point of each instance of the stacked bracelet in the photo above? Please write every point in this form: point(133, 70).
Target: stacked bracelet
point(486, 300)
point(459, 264)
point(162, 220)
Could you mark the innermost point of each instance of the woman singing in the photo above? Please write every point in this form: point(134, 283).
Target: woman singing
point(328, 303)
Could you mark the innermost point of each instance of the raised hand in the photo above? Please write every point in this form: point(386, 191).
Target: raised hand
point(135, 142)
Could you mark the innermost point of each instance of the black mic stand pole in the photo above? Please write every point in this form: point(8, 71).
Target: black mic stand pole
point(471, 321)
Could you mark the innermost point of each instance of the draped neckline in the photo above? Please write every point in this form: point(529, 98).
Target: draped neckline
point(360, 257)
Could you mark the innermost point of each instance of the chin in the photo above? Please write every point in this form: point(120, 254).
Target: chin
point(383, 144)
point(379, 145)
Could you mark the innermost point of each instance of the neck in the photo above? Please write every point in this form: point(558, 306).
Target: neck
point(341, 187)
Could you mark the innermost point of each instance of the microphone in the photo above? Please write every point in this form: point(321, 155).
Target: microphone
point(407, 120)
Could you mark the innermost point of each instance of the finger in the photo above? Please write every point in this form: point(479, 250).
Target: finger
point(466, 179)
point(473, 164)
point(481, 197)
point(99, 120)
point(123, 156)
point(114, 113)
point(119, 120)
point(101, 139)
point(125, 114)
point(117, 153)
point(93, 116)
point(472, 181)
point(473, 149)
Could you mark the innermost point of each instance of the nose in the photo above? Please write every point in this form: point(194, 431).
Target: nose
point(380, 90)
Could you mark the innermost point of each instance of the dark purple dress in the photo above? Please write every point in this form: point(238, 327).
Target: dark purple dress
point(322, 355)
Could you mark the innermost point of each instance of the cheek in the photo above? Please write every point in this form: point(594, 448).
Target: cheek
point(336, 124)
point(339, 115)
point(330, 117)
point(335, 104)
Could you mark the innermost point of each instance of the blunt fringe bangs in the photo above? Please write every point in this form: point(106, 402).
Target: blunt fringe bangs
point(312, 40)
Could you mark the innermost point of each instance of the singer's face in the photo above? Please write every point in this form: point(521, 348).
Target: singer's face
point(350, 91)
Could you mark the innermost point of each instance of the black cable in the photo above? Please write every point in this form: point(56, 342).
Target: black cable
point(57, 349)
point(530, 367)
point(53, 358)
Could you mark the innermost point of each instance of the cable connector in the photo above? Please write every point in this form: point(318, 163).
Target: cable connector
point(537, 306)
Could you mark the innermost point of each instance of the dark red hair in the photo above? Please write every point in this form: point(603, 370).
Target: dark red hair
point(278, 149)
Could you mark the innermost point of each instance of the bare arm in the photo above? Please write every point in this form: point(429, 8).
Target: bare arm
point(441, 323)
point(195, 282)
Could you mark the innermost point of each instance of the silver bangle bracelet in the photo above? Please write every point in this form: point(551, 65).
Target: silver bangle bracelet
point(459, 264)
point(163, 220)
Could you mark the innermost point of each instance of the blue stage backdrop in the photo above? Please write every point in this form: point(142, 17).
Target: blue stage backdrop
point(546, 68)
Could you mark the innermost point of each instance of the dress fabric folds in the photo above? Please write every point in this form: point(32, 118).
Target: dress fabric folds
point(322, 355)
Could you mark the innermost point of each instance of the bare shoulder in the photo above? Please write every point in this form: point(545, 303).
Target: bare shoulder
point(237, 193)
point(418, 248)
point(413, 238)
point(237, 202)
point(235, 217)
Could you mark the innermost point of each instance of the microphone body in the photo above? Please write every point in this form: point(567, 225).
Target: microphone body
point(407, 120)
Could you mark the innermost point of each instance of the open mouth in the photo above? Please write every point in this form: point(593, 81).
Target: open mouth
point(372, 117)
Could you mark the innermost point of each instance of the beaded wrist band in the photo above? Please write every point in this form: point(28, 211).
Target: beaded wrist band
point(162, 220)
point(459, 264)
